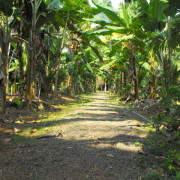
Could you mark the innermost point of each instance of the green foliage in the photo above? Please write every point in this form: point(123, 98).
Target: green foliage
point(137, 144)
point(167, 123)
point(169, 118)
point(108, 12)
point(55, 5)
point(6, 7)
point(18, 102)
point(101, 32)
point(125, 91)
point(98, 20)
point(178, 174)
point(171, 164)
point(156, 8)
point(64, 5)
point(104, 50)
point(115, 48)
point(152, 175)
point(156, 143)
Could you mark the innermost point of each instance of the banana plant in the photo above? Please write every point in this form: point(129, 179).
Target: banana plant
point(127, 24)
point(5, 31)
point(32, 51)
point(163, 30)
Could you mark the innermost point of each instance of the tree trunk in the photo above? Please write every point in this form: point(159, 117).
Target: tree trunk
point(105, 87)
point(125, 79)
point(169, 65)
point(30, 77)
point(21, 65)
point(135, 76)
point(153, 87)
point(3, 67)
point(69, 81)
point(169, 51)
point(32, 52)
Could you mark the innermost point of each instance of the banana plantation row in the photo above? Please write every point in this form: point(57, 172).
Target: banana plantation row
point(56, 46)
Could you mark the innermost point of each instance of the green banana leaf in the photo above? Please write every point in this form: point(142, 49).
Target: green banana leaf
point(120, 30)
point(143, 4)
point(109, 12)
point(115, 48)
point(100, 21)
point(55, 5)
point(156, 9)
point(101, 32)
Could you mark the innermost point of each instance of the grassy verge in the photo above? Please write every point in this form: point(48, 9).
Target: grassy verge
point(43, 121)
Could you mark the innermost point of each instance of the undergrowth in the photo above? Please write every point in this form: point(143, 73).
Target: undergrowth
point(164, 141)
point(46, 121)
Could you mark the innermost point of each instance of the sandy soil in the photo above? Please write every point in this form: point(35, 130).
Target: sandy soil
point(96, 142)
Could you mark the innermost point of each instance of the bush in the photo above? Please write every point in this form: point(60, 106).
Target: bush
point(152, 175)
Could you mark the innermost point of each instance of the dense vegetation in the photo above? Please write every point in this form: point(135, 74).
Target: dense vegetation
point(68, 47)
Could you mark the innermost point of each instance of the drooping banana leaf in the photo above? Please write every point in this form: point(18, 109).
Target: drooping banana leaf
point(80, 83)
point(97, 53)
point(91, 37)
point(116, 62)
point(140, 33)
point(55, 5)
point(144, 5)
point(125, 14)
point(108, 65)
point(87, 38)
point(120, 30)
point(109, 12)
point(89, 67)
point(137, 42)
point(156, 9)
point(100, 21)
point(101, 32)
point(115, 48)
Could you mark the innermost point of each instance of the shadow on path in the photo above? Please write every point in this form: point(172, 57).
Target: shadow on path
point(95, 146)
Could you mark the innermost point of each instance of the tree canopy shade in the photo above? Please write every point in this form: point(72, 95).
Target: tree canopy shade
point(64, 46)
point(49, 48)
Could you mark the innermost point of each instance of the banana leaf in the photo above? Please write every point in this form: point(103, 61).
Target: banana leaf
point(55, 5)
point(156, 9)
point(101, 32)
point(109, 13)
point(100, 21)
point(115, 48)
point(120, 30)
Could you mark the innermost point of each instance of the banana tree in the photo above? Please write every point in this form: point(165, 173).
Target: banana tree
point(127, 24)
point(5, 13)
point(162, 17)
point(60, 54)
point(32, 51)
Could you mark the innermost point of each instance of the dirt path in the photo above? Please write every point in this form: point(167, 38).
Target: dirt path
point(97, 143)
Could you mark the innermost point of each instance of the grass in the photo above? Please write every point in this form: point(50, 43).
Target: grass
point(46, 121)
point(118, 109)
